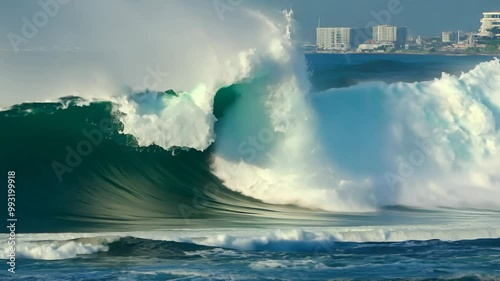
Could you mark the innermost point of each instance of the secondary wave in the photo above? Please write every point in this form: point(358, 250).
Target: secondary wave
point(186, 243)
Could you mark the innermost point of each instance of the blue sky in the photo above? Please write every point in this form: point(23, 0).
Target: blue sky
point(113, 42)
point(422, 17)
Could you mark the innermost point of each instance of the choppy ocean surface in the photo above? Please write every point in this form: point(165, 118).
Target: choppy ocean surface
point(137, 259)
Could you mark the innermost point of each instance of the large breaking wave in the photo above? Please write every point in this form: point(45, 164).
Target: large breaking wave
point(255, 134)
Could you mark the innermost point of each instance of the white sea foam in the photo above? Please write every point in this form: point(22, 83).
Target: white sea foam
point(426, 144)
point(295, 264)
point(30, 248)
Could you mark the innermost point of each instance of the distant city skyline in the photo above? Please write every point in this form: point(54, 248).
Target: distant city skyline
point(422, 17)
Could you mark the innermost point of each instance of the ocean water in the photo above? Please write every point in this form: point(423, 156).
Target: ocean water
point(301, 167)
point(130, 212)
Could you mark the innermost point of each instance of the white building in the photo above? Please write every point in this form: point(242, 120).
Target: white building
point(390, 34)
point(471, 39)
point(449, 37)
point(489, 21)
point(419, 40)
point(334, 38)
point(385, 33)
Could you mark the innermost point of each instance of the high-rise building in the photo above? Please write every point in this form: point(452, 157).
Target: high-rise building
point(333, 38)
point(341, 38)
point(449, 37)
point(390, 34)
point(489, 21)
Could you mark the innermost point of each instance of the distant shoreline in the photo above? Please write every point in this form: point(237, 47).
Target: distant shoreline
point(415, 54)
